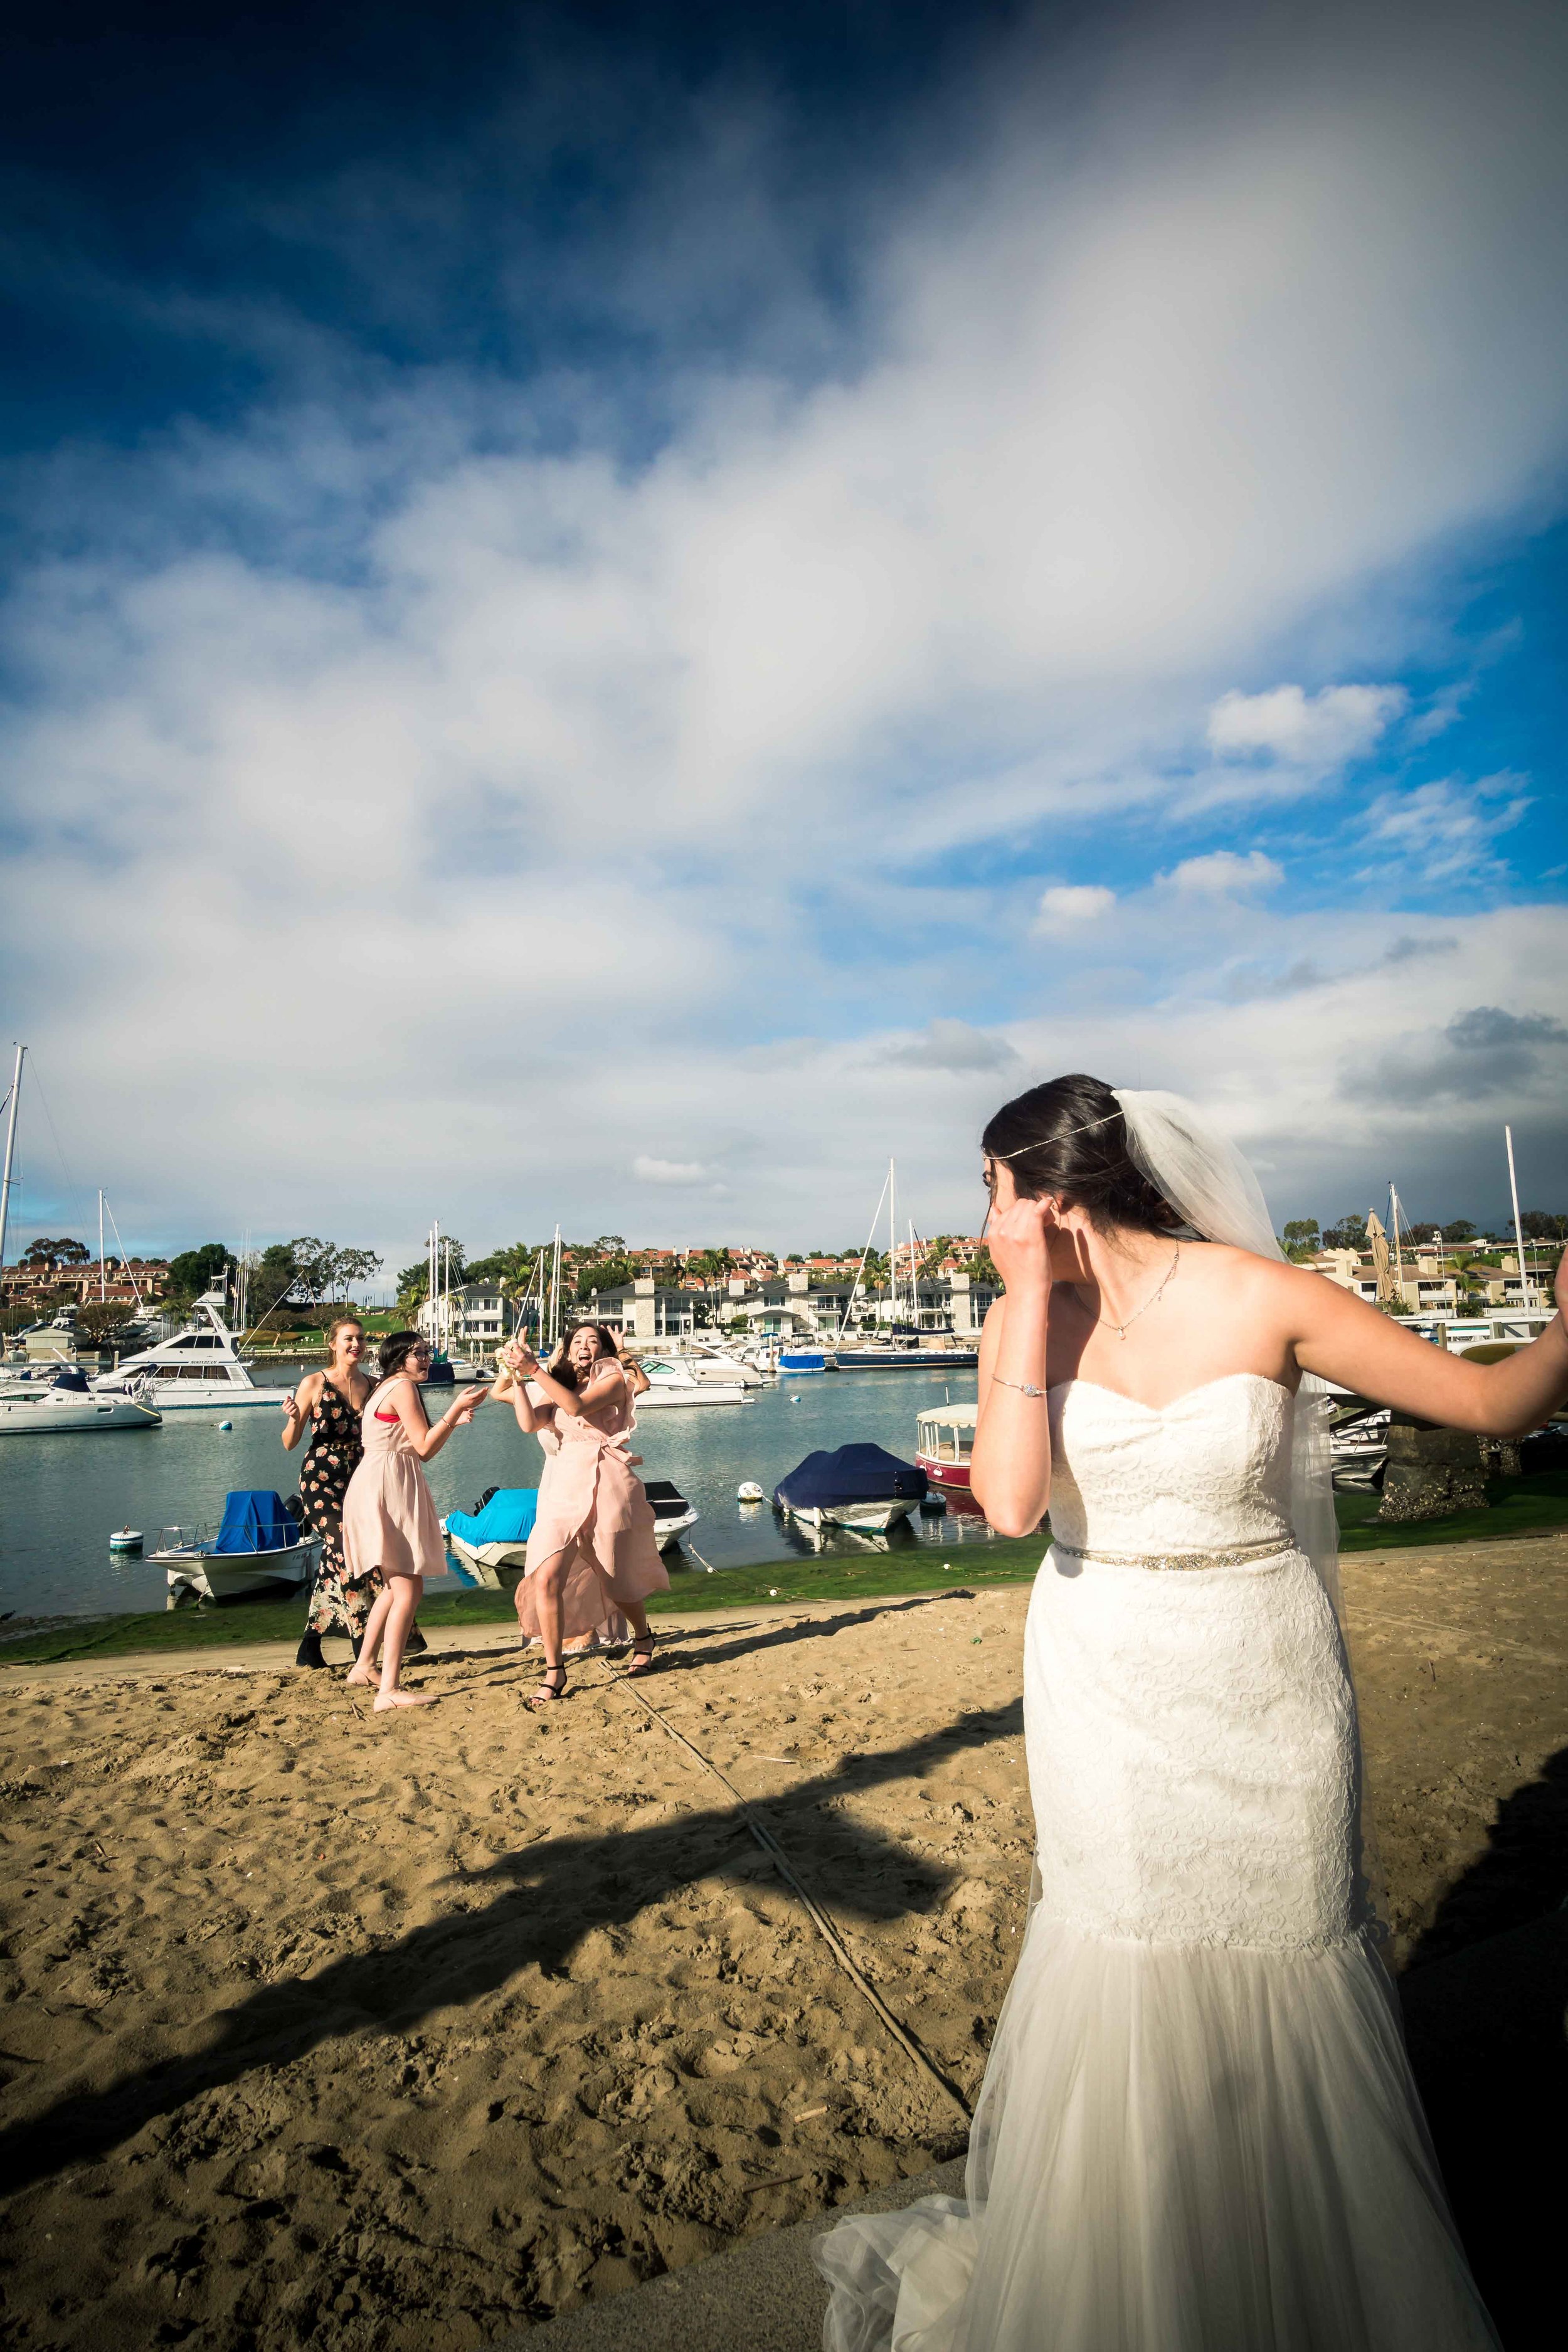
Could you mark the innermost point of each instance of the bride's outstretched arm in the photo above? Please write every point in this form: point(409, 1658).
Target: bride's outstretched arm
point(1010, 1468)
point(1341, 1338)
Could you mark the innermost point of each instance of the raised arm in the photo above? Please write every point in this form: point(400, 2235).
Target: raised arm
point(426, 1437)
point(298, 1408)
point(1010, 1464)
point(510, 1387)
point(606, 1378)
point(1342, 1338)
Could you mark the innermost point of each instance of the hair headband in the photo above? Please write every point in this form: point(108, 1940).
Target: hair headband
point(1055, 1138)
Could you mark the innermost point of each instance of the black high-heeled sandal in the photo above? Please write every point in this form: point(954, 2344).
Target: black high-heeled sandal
point(641, 1648)
point(543, 1697)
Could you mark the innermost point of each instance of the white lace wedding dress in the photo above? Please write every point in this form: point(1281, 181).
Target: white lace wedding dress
point(1199, 2131)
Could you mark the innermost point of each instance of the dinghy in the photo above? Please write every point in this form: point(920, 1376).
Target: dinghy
point(861, 1488)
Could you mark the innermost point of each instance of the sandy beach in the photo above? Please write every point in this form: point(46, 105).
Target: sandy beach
point(394, 2031)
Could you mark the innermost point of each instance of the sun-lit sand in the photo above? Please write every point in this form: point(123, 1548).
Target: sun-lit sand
point(395, 2031)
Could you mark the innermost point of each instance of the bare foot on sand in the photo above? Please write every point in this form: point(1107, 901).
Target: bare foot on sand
point(400, 1698)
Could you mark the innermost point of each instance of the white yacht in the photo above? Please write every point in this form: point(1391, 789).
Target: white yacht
point(672, 1381)
point(67, 1402)
point(198, 1371)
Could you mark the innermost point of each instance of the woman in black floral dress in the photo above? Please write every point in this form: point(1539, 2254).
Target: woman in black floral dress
point(331, 1402)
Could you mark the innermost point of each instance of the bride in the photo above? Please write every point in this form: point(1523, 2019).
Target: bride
point(1199, 2131)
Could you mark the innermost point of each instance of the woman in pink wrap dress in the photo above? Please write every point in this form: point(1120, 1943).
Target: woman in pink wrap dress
point(594, 1549)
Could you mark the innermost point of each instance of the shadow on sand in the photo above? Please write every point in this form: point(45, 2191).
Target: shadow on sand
point(1484, 1998)
point(550, 1894)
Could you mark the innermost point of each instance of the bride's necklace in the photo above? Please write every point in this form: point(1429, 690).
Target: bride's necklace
point(1122, 1329)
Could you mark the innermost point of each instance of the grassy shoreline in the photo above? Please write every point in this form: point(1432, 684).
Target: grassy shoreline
point(1515, 1507)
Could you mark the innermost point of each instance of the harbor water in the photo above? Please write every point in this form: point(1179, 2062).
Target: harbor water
point(61, 1496)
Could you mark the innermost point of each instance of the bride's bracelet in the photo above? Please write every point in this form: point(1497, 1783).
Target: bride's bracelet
point(1024, 1388)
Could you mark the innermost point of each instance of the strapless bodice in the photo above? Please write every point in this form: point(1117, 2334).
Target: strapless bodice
point(1208, 1472)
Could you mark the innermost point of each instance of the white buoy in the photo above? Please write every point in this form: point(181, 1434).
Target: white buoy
point(226, 1424)
point(794, 1400)
point(748, 1491)
point(125, 1539)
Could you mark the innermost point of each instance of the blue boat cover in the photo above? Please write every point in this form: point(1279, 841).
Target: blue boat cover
point(854, 1474)
point(71, 1377)
point(507, 1518)
point(255, 1520)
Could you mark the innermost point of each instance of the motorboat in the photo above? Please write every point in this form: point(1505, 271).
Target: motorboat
point(863, 1489)
point(258, 1543)
point(491, 1541)
point(795, 1360)
point(671, 1382)
point(672, 1514)
point(198, 1371)
point(904, 1356)
point(707, 1361)
point(1358, 1441)
point(68, 1403)
point(944, 1439)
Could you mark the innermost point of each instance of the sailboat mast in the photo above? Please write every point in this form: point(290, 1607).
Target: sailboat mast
point(1524, 1293)
point(892, 1244)
point(102, 1293)
point(1398, 1253)
point(10, 1150)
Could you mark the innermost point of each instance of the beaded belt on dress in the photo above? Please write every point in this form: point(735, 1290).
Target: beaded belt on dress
point(1235, 1556)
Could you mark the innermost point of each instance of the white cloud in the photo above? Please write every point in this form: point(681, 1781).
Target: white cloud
point(526, 757)
point(1320, 730)
point(1445, 832)
point(648, 1171)
point(1066, 905)
point(1225, 870)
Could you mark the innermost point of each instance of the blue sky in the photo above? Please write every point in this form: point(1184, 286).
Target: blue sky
point(614, 614)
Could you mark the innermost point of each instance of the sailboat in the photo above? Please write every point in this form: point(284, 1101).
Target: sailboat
point(901, 1349)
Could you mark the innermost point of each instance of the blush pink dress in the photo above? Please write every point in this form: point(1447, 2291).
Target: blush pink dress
point(591, 1505)
point(389, 1518)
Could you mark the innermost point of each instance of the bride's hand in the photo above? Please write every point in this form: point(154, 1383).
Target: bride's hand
point(1018, 1239)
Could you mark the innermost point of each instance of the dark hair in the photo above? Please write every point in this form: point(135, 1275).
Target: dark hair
point(394, 1350)
point(562, 1369)
point(1068, 1136)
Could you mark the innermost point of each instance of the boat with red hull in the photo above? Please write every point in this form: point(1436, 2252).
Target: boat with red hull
point(944, 1437)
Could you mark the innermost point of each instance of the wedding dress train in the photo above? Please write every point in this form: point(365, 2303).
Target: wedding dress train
point(1198, 2130)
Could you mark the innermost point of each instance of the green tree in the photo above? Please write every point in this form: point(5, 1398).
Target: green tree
point(100, 1321)
point(65, 1252)
point(413, 1290)
point(195, 1270)
point(1543, 1225)
point(1460, 1230)
point(1348, 1233)
point(709, 1265)
point(276, 1273)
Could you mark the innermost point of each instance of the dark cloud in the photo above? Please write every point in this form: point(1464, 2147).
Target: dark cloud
point(1409, 951)
point(1252, 983)
point(1480, 1053)
point(951, 1045)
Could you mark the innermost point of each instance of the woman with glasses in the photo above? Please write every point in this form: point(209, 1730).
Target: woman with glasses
point(389, 1519)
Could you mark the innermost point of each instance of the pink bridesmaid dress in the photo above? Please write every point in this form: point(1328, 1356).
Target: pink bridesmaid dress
point(389, 1518)
point(591, 1505)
